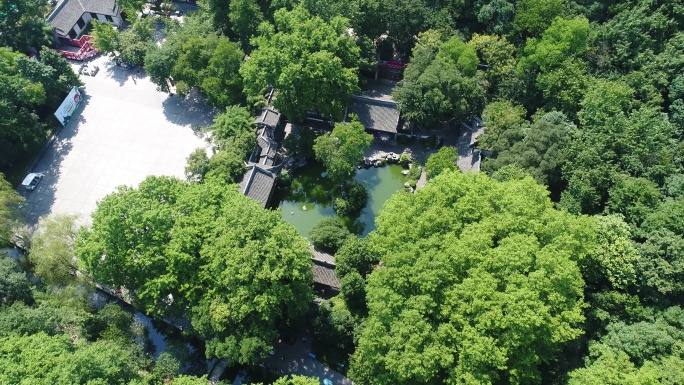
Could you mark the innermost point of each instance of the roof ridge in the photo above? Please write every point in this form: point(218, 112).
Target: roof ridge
point(387, 103)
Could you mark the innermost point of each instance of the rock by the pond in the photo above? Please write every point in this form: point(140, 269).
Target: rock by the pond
point(405, 172)
point(304, 208)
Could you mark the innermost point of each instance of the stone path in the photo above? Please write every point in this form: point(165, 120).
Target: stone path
point(294, 359)
point(468, 159)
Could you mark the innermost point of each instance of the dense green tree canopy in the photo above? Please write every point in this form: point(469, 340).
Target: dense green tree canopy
point(613, 261)
point(312, 64)
point(206, 251)
point(342, 149)
point(236, 122)
point(355, 256)
point(23, 25)
point(610, 367)
point(539, 148)
point(40, 358)
point(296, 380)
point(30, 91)
point(13, 283)
point(52, 249)
point(135, 42)
point(479, 283)
point(615, 137)
point(329, 234)
point(532, 17)
point(661, 267)
point(439, 83)
point(441, 161)
point(9, 210)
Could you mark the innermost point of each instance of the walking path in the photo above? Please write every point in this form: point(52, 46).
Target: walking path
point(295, 359)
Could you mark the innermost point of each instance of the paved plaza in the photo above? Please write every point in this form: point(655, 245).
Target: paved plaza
point(294, 359)
point(124, 131)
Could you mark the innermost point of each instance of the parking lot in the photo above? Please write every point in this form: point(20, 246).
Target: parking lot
point(124, 131)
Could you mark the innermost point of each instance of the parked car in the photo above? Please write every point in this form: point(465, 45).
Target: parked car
point(32, 180)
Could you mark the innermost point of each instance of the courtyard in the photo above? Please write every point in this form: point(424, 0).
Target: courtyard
point(124, 131)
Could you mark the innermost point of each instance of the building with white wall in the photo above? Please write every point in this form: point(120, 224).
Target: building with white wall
point(71, 17)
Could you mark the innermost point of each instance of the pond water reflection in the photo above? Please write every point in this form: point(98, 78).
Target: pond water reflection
point(307, 200)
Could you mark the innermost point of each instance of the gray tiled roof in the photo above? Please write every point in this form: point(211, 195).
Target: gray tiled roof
point(374, 114)
point(67, 13)
point(268, 117)
point(322, 257)
point(266, 148)
point(258, 184)
point(325, 275)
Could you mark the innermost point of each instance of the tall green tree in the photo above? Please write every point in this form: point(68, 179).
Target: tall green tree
point(606, 366)
point(540, 149)
point(442, 86)
point(500, 57)
point(441, 161)
point(23, 25)
point(532, 17)
point(132, 225)
point(479, 284)
point(40, 358)
point(233, 131)
point(613, 262)
point(53, 250)
point(135, 42)
point(245, 17)
point(300, 51)
point(496, 15)
point(10, 201)
point(206, 251)
point(617, 136)
point(197, 165)
point(222, 83)
point(661, 266)
point(14, 286)
point(342, 149)
point(105, 37)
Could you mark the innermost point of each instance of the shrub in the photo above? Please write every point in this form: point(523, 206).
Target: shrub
point(357, 197)
point(226, 165)
point(353, 291)
point(341, 207)
point(197, 165)
point(414, 174)
point(404, 160)
point(329, 234)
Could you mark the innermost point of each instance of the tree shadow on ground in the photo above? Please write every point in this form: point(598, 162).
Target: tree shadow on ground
point(189, 111)
point(39, 202)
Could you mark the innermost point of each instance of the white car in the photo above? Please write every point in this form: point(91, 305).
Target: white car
point(32, 180)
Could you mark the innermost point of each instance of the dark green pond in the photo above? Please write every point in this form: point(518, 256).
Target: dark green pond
point(307, 201)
